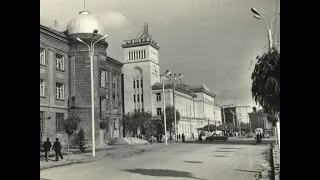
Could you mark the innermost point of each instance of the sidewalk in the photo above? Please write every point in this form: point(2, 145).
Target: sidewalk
point(113, 151)
point(276, 156)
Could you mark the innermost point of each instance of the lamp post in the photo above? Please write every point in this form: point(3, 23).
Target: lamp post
point(257, 15)
point(91, 54)
point(173, 80)
point(164, 105)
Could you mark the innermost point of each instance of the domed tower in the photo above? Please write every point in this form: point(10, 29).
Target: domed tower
point(89, 29)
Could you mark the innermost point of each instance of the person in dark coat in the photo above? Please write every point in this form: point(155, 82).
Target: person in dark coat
point(46, 147)
point(160, 137)
point(257, 138)
point(57, 149)
point(183, 137)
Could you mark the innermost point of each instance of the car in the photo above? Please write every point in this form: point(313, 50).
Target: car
point(267, 135)
point(217, 138)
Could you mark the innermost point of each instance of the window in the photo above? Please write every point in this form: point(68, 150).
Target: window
point(42, 87)
point(42, 121)
point(42, 56)
point(59, 91)
point(158, 96)
point(134, 98)
point(138, 98)
point(141, 98)
point(159, 111)
point(137, 83)
point(59, 121)
point(60, 62)
point(141, 83)
point(114, 79)
point(103, 107)
point(134, 84)
point(102, 78)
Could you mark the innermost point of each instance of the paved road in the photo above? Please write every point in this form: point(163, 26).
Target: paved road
point(235, 159)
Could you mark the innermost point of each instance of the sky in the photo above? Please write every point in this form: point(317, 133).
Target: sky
point(212, 42)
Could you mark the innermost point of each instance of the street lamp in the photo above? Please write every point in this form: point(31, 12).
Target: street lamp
point(257, 15)
point(173, 80)
point(163, 77)
point(91, 53)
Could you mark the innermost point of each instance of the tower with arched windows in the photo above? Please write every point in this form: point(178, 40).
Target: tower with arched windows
point(140, 72)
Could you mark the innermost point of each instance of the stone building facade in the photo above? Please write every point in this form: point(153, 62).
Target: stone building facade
point(143, 88)
point(236, 116)
point(65, 78)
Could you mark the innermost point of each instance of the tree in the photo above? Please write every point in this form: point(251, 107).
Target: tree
point(170, 118)
point(266, 81)
point(80, 139)
point(137, 120)
point(70, 126)
point(272, 118)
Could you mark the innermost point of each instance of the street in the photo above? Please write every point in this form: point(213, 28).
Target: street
point(234, 159)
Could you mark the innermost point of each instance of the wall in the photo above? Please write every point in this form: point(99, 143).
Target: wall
point(53, 43)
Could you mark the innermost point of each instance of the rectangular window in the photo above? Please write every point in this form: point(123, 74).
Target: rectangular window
point(59, 91)
point(42, 121)
point(103, 107)
point(134, 98)
point(138, 98)
point(102, 78)
point(159, 111)
point(158, 96)
point(134, 84)
point(137, 83)
point(59, 122)
point(60, 62)
point(141, 83)
point(42, 56)
point(42, 87)
point(114, 79)
point(141, 98)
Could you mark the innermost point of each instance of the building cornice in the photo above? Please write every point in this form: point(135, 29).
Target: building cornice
point(137, 44)
point(54, 34)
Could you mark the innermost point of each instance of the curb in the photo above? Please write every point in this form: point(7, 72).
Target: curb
point(72, 162)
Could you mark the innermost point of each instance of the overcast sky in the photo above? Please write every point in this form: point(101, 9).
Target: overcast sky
point(211, 42)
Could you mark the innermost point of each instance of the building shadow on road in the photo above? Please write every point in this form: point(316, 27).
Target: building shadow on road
point(196, 162)
point(219, 156)
point(44, 179)
point(246, 171)
point(163, 173)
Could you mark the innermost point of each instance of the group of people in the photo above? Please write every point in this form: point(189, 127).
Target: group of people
point(56, 147)
point(259, 137)
point(182, 136)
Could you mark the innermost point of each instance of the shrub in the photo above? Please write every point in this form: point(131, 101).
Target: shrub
point(80, 139)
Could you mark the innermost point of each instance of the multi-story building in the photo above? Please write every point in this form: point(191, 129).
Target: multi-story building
point(143, 89)
point(65, 86)
point(236, 116)
point(259, 119)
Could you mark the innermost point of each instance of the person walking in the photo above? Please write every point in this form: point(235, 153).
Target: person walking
point(183, 137)
point(57, 149)
point(46, 147)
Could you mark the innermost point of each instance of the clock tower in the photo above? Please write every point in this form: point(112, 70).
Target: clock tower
point(140, 72)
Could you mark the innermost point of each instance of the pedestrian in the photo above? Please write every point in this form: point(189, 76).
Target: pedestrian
point(57, 149)
point(179, 136)
point(46, 147)
point(161, 138)
point(192, 136)
point(261, 136)
point(151, 138)
point(183, 137)
point(257, 138)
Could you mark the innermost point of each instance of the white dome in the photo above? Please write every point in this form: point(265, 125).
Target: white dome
point(84, 23)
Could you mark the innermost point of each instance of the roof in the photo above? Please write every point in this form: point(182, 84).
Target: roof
point(46, 29)
point(158, 86)
point(114, 61)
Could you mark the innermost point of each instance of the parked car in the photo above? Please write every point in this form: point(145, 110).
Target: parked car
point(216, 138)
point(266, 135)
